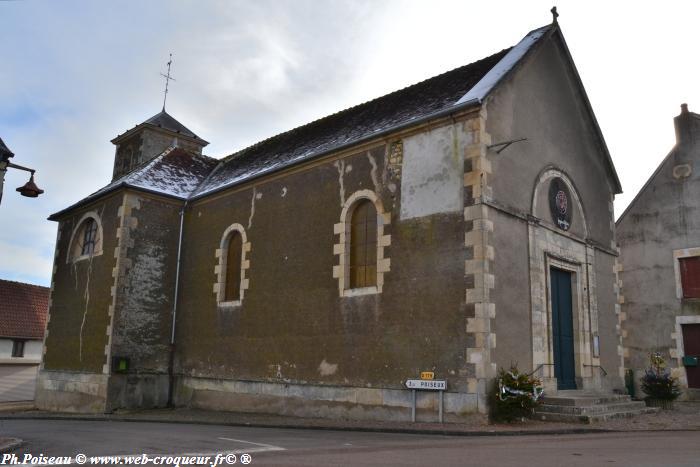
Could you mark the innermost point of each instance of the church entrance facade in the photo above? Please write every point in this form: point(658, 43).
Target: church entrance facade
point(564, 289)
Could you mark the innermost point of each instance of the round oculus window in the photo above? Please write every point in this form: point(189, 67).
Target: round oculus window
point(560, 203)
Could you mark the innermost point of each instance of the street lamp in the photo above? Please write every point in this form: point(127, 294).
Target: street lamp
point(29, 189)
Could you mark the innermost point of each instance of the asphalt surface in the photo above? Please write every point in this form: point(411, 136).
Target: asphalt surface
point(273, 446)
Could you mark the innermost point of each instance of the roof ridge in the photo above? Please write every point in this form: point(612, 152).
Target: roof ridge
point(25, 283)
point(348, 109)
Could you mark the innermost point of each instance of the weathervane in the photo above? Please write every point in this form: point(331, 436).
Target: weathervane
point(167, 81)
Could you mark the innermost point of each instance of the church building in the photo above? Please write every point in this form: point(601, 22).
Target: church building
point(458, 225)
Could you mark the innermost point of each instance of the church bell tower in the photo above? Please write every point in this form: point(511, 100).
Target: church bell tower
point(149, 139)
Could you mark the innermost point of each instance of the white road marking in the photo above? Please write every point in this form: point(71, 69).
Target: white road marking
point(268, 447)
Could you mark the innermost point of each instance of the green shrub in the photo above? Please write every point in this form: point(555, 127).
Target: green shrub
point(514, 396)
point(657, 382)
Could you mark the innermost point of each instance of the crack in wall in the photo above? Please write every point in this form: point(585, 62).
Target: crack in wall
point(255, 196)
point(340, 165)
point(374, 173)
point(87, 297)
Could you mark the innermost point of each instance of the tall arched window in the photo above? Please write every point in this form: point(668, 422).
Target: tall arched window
point(363, 245)
point(234, 258)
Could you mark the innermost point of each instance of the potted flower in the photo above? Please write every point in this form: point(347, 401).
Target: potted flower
point(657, 383)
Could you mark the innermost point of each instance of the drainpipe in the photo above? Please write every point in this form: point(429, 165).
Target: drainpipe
point(171, 361)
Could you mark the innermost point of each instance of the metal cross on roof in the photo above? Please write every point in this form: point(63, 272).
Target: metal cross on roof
point(167, 81)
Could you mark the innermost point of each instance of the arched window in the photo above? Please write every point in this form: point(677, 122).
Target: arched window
point(233, 260)
point(87, 238)
point(234, 257)
point(363, 245)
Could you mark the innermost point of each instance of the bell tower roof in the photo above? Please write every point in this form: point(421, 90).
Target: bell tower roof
point(149, 139)
point(164, 121)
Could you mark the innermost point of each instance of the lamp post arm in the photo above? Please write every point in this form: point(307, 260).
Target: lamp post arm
point(16, 166)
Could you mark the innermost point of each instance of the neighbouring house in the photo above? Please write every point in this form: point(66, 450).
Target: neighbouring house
point(458, 225)
point(23, 310)
point(659, 238)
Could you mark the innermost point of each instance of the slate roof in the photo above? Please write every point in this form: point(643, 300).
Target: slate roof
point(23, 310)
point(175, 173)
point(349, 126)
point(166, 121)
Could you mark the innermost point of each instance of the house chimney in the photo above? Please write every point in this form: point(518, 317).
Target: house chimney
point(684, 126)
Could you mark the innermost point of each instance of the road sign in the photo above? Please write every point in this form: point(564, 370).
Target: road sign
point(427, 375)
point(430, 385)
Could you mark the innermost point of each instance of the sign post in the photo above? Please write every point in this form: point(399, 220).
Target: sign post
point(426, 385)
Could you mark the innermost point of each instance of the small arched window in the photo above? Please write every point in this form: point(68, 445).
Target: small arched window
point(363, 245)
point(87, 239)
point(234, 258)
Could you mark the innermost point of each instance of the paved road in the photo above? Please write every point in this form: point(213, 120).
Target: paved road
point(268, 446)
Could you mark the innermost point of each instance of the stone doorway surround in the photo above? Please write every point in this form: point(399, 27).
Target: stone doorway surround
point(550, 247)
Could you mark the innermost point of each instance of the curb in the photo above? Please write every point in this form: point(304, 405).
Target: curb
point(366, 429)
point(13, 443)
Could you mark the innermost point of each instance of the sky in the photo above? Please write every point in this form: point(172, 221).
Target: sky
point(74, 74)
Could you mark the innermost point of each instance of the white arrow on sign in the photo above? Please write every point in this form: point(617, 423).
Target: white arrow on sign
point(430, 385)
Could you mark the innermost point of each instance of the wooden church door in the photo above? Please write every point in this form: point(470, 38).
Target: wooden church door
point(563, 329)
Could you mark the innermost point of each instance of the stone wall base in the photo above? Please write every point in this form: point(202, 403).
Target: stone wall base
point(331, 402)
point(67, 391)
point(137, 391)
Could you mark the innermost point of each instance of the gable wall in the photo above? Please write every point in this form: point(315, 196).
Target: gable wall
point(540, 102)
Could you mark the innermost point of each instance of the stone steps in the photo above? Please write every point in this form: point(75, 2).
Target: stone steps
point(592, 409)
point(585, 407)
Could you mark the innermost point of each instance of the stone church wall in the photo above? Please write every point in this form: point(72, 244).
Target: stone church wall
point(143, 308)
point(295, 345)
point(71, 377)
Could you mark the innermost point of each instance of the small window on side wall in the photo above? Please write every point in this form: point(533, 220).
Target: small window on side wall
point(363, 245)
point(690, 276)
point(18, 348)
point(86, 241)
point(234, 258)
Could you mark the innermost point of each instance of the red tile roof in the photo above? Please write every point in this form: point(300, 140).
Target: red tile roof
point(23, 310)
